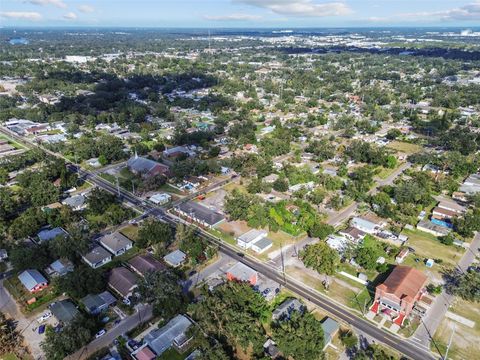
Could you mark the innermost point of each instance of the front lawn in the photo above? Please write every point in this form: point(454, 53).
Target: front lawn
point(172, 354)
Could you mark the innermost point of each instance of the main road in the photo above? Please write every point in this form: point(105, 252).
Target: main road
point(408, 348)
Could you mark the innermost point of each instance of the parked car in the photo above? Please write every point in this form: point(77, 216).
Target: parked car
point(100, 333)
point(44, 317)
point(41, 329)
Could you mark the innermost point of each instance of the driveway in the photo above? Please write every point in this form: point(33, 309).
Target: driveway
point(442, 302)
point(24, 325)
point(143, 314)
point(217, 266)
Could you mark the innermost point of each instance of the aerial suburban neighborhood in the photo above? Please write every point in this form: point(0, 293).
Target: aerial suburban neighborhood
point(238, 193)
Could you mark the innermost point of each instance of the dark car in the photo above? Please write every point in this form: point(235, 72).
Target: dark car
point(41, 329)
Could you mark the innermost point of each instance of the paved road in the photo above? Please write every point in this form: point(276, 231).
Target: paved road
point(442, 302)
point(408, 348)
point(144, 314)
point(24, 325)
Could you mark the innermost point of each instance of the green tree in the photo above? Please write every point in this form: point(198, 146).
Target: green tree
point(83, 281)
point(320, 257)
point(11, 341)
point(154, 232)
point(300, 337)
point(320, 230)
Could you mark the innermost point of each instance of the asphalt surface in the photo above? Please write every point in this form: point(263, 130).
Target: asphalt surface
point(406, 347)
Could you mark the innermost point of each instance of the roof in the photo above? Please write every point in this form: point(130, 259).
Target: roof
point(61, 266)
point(175, 258)
point(366, 224)
point(263, 243)
point(31, 278)
point(75, 201)
point(93, 302)
point(241, 272)
point(201, 213)
point(122, 280)
point(353, 232)
point(145, 354)
point(143, 165)
point(403, 282)
point(285, 308)
point(251, 235)
point(160, 340)
point(50, 234)
point(97, 254)
point(330, 327)
point(115, 241)
point(64, 310)
point(145, 263)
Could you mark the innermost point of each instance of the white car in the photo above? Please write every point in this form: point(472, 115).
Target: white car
point(100, 333)
point(44, 317)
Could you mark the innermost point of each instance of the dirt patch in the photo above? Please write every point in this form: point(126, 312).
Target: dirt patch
point(235, 228)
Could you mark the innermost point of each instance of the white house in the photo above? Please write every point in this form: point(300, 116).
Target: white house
point(246, 240)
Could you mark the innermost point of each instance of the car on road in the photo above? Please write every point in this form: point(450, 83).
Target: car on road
point(41, 329)
point(191, 273)
point(100, 333)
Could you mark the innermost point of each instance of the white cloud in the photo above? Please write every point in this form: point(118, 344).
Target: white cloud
point(70, 16)
point(86, 8)
point(57, 3)
point(468, 12)
point(232, 17)
point(301, 8)
point(21, 15)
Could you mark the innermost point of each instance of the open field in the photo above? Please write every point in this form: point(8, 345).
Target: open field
point(404, 147)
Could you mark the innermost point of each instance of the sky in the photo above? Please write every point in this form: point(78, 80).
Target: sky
point(240, 13)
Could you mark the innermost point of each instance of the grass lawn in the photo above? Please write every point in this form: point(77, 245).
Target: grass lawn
point(12, 142)
point(172, 354)
point(428, 246)
point(170, 189)
point(9, 356)
point(108, 177)
point(386, 172)
point(130, 231)
point(404, 147)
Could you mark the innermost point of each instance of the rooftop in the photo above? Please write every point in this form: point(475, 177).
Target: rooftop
point(404, 281)
point(175, 258)
point(160, 340)
point(115, 241)
point(31, 278)
point(122, 280)
point(145, 263)
point(97, 254)
point(201, 213)
point(241, 272)
point(251, 235)
point(64, 310)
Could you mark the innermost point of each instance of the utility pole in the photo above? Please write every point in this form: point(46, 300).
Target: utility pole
point(118, 187)
point(133, 188)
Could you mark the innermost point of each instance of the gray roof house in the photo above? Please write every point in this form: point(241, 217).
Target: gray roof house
point(143, 264)
point(175, 258)
point(50, 234)
point(200, 214)
point(64, 310)
point(59, 267)
point(330, 328)
point(116, 243)
point(285, 309)
point(33, 280)
point(95, 304)
point(146, 167)
point(97, 257)
point(173, 333)
point(76, 202)
point(123, 281)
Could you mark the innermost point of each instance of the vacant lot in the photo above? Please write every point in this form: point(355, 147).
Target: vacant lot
point(404, 147)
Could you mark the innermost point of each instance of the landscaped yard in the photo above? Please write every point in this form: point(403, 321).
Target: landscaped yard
point(130, 231)
point(18, 291)
point(172, 354)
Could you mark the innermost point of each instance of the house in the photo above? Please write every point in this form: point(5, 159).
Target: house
point(64, 311)
point(59, 267)
point(471, 185)
point(246, 240)
point(402, 255)
point(160, 198)
point(93, 162)
point(338, 243)
point(441, 213)
point(122, 281)
point(116, 243)
point(367, 224)
point(143, 264)
point(95, 304)
point(76, 202)
point(270, 349)
point(97, 257)
point(452, 206)
point(174, 333)
point(50, 234)
point(175, 258)
point(285, 309)
point(241, 272)
point(397, 295)
point(353, 234)
point(262, 245)
point(270, 179)
point(178, 151)
point(146, 167)
point(330, 327)
point(431, 228)
point(200, 214)
point(33, 280)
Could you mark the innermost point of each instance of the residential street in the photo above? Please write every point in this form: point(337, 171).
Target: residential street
point(24, 325)
point(442, 302)
point(129, 323)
